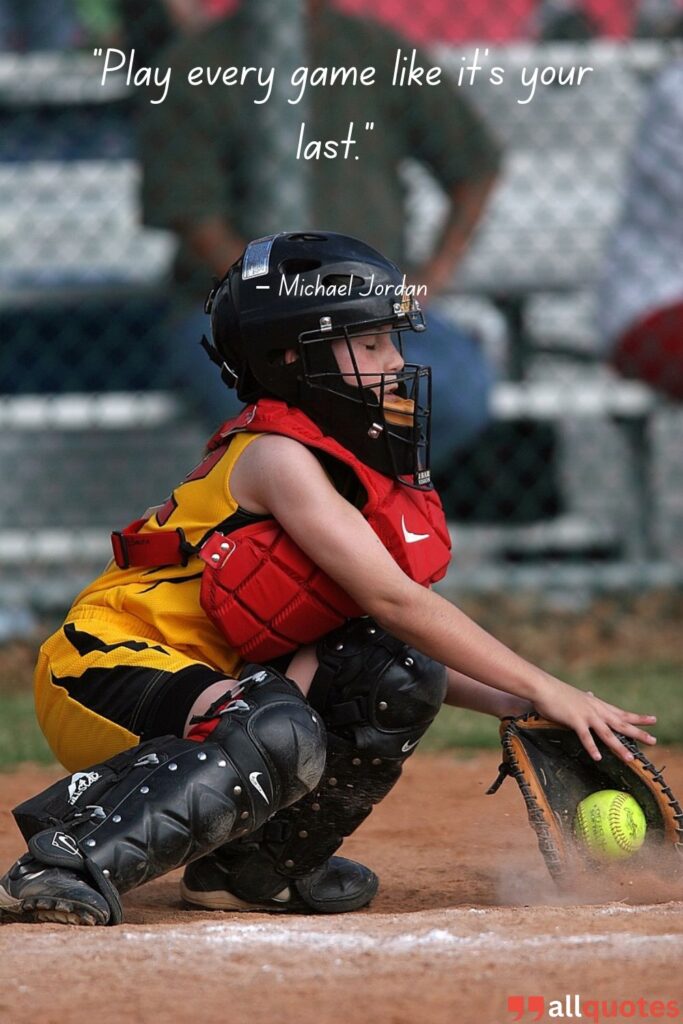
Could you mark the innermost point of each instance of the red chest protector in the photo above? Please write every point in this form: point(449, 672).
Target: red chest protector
point(263, 593)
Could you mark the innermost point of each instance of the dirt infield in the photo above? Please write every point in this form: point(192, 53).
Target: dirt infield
point(466, 918)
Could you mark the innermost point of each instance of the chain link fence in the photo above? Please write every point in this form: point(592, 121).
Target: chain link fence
point(494, 149)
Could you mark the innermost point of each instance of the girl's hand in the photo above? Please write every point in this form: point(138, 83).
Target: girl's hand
point(590, 716)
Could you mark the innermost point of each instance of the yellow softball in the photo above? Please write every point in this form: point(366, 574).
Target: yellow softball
point(610, 825)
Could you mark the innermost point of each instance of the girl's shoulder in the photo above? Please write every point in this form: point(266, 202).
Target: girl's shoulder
point(272, 461)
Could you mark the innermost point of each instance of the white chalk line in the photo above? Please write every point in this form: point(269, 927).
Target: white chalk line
point(437, 940)
point(389, 938)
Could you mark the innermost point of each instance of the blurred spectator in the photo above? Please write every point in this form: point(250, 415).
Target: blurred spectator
point(641, 297)
point(564, 21)
point(189, 15)
point(491, 21)
point(98, 22)
point(197, 172)
point(149, 29)
point(659, 19)
point(146, 31)
point(145, 28)
point(27, 25)
point(162, 20)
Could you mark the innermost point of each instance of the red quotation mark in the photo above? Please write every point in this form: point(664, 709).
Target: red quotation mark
point(534, 1005)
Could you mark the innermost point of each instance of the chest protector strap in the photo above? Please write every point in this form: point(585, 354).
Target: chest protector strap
point(263, 593)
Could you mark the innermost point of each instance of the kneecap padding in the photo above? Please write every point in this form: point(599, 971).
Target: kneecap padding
point(375, 690)
point(268, 717)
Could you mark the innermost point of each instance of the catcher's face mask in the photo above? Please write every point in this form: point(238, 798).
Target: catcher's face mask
point(360, 385)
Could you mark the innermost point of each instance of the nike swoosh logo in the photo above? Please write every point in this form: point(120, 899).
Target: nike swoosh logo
point(409, 746)
point(66, 843)
point(33, 874)
point(412, 538)
point(253, 778)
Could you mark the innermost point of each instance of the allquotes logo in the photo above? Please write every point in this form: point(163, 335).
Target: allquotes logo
point(572, 1006)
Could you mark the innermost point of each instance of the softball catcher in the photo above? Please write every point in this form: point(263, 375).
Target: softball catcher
point(247, 677)
point(116, 684)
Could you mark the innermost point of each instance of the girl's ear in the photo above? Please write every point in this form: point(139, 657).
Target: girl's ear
point(291, 356)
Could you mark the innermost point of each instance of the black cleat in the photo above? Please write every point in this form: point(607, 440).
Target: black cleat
point(339, 886)
point(31, 892)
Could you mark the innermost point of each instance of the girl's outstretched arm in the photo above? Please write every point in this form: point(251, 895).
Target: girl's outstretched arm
point(280, 476)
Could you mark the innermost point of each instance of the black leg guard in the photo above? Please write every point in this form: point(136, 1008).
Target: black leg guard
point(168, 801)
point(377, 697)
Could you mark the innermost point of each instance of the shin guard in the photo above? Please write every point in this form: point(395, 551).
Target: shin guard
point(168, 801)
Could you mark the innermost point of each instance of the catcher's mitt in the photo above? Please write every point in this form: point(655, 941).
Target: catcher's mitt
point(555, 772)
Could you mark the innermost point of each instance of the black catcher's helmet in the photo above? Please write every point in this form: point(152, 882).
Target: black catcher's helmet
point(302, 291)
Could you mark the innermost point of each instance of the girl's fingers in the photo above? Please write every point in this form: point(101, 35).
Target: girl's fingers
point(630, 725)
point(635, 733)
point(586, 737)
point(611, 741)
point(628, 716)
point(632, 716)
point(603, 720)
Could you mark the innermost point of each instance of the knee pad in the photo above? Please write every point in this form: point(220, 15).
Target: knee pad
point(268, 725)
point(374, 691)
point(377, 697)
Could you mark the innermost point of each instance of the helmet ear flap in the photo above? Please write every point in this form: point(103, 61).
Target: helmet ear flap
point(226, 350)
point(210, 348)
point(208, 302)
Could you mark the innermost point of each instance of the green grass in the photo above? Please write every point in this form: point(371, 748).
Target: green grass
point(20, 737)
point(657, 689)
